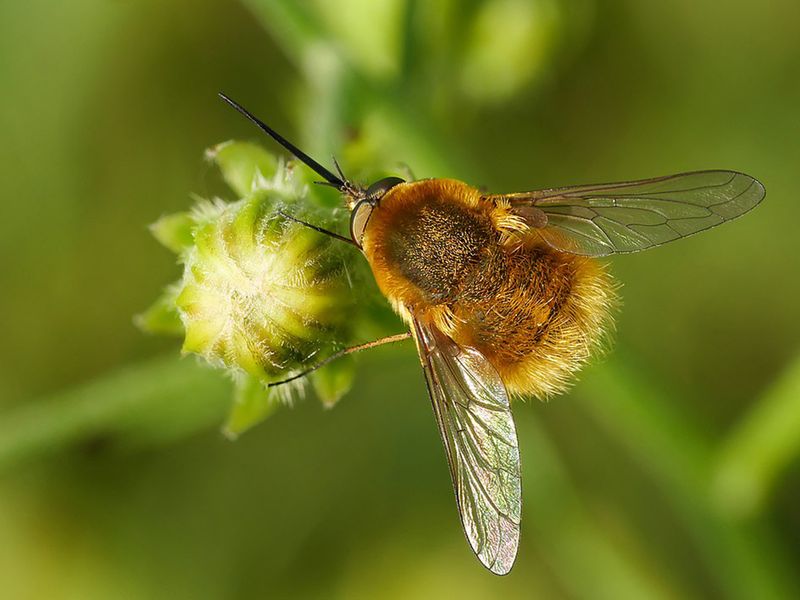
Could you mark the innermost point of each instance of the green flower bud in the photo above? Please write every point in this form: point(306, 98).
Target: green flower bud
point(262, 296)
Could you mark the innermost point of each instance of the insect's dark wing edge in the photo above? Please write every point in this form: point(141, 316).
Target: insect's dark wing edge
point(474, 417)
point(618, 218)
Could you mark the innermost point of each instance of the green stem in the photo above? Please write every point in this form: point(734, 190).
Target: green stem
point(572, 536)
point(745, 558)
point(157, 400)
point(409, 125)
point(758, 450)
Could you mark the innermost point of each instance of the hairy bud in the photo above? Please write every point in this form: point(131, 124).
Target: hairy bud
point(260, 293)
point(261, 296)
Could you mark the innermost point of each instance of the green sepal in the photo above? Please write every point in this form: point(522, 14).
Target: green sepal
point(243, 164)
point(252, 403)
point(333, 381)
point(174, 231)
point(162, 317)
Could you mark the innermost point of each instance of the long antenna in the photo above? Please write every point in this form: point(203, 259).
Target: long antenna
point(337, 182)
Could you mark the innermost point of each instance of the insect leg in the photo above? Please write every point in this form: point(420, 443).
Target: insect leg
point(319, 229)
point(380, 342)
point(339, 169)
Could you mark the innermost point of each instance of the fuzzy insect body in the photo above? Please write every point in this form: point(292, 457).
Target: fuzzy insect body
point(471, 267)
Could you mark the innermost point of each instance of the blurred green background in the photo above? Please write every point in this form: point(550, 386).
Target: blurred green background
point(670, 471)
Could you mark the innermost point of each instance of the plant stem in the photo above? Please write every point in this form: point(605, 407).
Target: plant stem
point(757, 451)
point(745, 558)
point(414, 134)
point(560, 522)
point(156, 400)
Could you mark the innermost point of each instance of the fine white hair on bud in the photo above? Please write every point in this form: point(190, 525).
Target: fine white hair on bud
point(260, 292)
point(262, 296)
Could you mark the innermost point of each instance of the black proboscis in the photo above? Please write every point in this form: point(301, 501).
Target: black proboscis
point(337, 182)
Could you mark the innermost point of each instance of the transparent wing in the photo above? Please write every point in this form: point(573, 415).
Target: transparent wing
point(474, 417)
point(614, 218)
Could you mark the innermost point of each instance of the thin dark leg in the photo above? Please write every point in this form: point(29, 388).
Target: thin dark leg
point(386, 340)
point(319, 229)
point(339, 169)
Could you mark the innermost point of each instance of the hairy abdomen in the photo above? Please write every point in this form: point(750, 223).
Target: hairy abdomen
point(535, 313)
point(440, 252)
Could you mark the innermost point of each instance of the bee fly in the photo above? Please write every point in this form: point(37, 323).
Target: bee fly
point(503, 297)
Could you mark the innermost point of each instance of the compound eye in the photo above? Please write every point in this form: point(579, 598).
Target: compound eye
point(359, 219)
point(380, 187)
